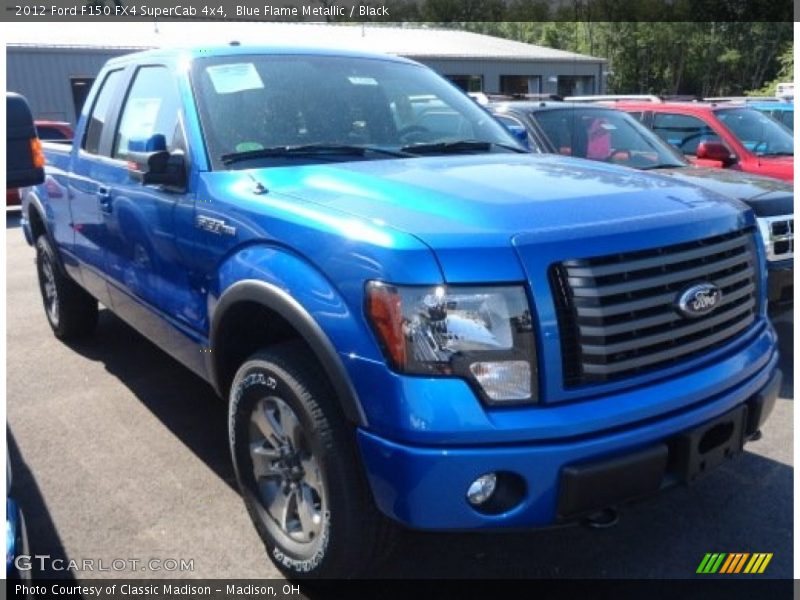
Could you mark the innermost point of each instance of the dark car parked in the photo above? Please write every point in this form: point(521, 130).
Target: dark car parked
point(605, 134)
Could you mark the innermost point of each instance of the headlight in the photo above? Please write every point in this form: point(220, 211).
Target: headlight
point(778, 234)
point(483, 334)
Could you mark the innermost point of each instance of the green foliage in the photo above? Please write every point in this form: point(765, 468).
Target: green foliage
point(785, 73)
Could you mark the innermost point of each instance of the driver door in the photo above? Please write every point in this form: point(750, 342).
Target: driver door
point(144, 263)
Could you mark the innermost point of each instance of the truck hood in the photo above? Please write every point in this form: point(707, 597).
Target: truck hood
point(766, 196)
point(464, 201)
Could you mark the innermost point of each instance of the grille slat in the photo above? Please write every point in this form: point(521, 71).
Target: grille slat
point(618, 314)
point(660, 300)
point(637, 285)
point(670, 316)
point(668, 354)
point(656, 261)
point(671, 334)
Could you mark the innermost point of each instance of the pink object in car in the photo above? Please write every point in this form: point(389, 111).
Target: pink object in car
point(598, 146)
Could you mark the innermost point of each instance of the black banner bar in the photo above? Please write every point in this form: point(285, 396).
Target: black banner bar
point(732, 587)
point(395, 11)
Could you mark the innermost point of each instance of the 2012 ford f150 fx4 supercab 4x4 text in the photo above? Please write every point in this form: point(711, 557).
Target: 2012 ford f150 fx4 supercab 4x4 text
point(412, 319)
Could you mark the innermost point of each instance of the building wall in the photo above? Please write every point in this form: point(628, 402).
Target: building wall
point(43, 74)
point(491, 70)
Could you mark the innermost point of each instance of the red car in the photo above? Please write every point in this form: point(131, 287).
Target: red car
point(720, 135)
point(49, 131)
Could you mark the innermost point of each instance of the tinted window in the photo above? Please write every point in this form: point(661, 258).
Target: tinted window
point(100, 113)
point(151, 109)
point(683, 131)
point(468, 83)
point(520, 84)
point(605, 135)
point(254, 102)
point(757, 132)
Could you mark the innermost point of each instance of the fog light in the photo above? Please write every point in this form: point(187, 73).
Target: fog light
point(482, 489)
point(504, 380)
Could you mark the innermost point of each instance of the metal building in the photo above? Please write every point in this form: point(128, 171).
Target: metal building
point(54, 65)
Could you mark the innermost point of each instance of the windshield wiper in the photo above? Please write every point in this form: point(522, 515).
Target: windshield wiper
point(458, 146)
point(782, 153)
point(310, 150)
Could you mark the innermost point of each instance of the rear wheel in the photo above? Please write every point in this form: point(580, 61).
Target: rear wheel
point(298, 469)
point(70, 310)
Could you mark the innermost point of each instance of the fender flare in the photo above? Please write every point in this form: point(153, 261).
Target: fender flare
point(32, 203)
point(279, 301)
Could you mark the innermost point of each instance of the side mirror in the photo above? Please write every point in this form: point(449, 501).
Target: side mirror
point(24, 156)
point(518, 131)
point(150, 163)
point(717, 151)
point(521, 135)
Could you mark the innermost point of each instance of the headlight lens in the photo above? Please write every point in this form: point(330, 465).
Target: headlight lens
point(483, 334)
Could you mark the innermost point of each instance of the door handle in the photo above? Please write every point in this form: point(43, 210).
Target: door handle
point(104, 199)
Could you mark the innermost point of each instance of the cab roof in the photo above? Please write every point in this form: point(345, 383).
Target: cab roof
point(234, 49)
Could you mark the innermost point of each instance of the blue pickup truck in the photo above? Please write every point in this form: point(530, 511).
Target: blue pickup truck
point(412, 319)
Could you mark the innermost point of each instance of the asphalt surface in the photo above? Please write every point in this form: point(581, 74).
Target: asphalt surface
point(119, 452)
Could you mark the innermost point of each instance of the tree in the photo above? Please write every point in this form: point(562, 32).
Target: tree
point(785, 73)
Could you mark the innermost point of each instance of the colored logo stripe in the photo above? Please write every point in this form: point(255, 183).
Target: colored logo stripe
point(711, 562)
point(721, 562)
point(734, 563)
point(758, 563)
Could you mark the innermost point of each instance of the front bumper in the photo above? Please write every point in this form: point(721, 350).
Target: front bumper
point(780, 282)
point(425, 487)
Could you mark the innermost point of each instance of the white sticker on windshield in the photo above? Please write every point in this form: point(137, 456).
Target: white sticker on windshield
point(237, 77)
point(362, 81)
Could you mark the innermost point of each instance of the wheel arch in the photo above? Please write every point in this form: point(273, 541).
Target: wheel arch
point(290, 320)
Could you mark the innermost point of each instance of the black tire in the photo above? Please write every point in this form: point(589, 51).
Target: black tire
point(70, 310)
point(352, 531)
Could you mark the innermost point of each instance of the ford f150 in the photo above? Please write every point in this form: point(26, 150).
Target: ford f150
point(413, 320)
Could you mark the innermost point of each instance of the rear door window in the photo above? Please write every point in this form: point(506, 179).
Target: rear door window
point(101, 113)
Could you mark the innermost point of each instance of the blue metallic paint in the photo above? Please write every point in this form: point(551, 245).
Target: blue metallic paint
point(425, 487)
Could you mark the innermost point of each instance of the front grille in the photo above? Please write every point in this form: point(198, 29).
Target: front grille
point(617, 314)
point(778, 234)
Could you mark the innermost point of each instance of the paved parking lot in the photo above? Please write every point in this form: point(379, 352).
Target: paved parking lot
point(119, 452)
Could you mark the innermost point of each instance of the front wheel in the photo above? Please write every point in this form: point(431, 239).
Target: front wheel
point(298, 469)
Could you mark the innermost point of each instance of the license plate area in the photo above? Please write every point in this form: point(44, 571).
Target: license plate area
point(698, 451)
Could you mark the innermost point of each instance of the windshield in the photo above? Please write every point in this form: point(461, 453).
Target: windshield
point(253, 106)
point(757, 132)
point(605, 135)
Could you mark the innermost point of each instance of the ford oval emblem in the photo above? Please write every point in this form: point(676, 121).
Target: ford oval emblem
point(699, 300)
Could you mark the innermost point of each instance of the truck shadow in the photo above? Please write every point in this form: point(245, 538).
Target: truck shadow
point(184, 403)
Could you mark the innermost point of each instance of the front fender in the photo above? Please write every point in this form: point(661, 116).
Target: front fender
point(289, 286)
